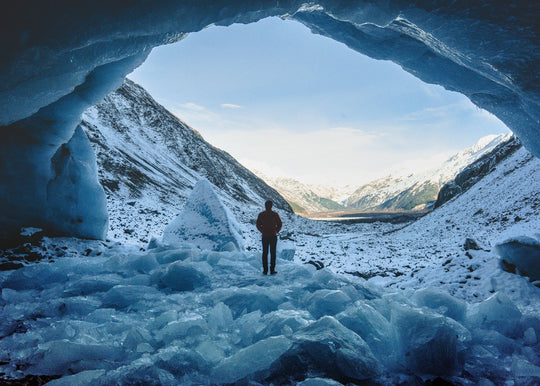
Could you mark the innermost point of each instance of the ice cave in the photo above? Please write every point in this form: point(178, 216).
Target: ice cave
point(176, 313)
point(61, 58)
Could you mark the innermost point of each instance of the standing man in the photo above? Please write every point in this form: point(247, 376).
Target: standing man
point(269, 224)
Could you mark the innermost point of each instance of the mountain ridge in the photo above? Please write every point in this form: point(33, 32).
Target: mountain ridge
point(418, 190)
point(400, 191)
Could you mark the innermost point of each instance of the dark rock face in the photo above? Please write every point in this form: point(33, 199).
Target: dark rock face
point(449, 190)
point(475, 171)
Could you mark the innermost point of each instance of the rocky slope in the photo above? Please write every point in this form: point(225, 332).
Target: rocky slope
point(149, 161)
point(475, 171)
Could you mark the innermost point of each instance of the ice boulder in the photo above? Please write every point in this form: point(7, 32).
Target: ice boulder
point(58, 356)
point(285, 250)
point(327, 302)
point(76, 202)
point(187, 325)
point(522, 253)
point(183, 276)
point(428, 342)
point(371, 326)
point(122, 296)
point(442, 302)
point(249, 299)
point(220, 318)
point(329, 347)
point(498, 313)
point(283, 322)
point(252, 362)
point(83, 378)
point(318, 382)
point(204, 222)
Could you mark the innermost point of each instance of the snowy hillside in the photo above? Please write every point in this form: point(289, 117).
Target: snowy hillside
point(431, 251)
point(409, 191)
point(149, 162)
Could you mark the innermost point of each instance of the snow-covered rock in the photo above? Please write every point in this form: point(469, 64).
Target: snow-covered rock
point(204, 222)
point(477, 169)
point(523, 253)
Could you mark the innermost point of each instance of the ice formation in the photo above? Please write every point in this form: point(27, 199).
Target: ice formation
point(176, 316)
point(205, 223)
point(523, 253)
point(76, 202)
point(58, 60)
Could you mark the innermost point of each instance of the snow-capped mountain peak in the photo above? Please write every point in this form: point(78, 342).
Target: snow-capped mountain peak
point(404, 191)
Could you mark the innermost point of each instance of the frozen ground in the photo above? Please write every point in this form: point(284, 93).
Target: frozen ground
point(117, 312)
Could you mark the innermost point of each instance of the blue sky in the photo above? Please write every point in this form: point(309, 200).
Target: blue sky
point(291, 103)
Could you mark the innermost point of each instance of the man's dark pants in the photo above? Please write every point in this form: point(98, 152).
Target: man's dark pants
point(272, 243)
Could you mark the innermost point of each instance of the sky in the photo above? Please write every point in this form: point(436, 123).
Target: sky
point(290, 103)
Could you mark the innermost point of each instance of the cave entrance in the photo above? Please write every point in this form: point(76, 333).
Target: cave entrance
point(304, 111)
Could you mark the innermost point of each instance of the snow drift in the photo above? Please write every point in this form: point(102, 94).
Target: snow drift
point(57, 61)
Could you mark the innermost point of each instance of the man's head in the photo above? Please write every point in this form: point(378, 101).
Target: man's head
point(268, 205)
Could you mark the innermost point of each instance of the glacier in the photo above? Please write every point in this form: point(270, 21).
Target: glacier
point(59, 60)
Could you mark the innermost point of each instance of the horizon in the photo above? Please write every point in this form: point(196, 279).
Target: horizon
point(335, 117)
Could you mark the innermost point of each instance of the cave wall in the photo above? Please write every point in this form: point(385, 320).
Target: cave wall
point(60, 57)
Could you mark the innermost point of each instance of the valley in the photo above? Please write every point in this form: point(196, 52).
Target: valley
point(141, 308)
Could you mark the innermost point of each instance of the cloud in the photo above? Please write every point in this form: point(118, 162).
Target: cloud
point(192, 106)
point(231, 106)
point(195, 115)
point(434, 113)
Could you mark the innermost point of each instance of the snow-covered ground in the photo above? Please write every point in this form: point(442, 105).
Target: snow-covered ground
point(430, 252)
point(116, 312)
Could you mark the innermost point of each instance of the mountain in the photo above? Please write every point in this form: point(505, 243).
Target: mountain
point(476, 170)
point(303, 198)
point(149, 161)
point(416, 190)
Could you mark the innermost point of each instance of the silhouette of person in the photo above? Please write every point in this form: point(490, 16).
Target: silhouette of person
point(269, 224)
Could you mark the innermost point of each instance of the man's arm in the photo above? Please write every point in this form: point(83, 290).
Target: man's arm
point(278, 223)
point(259, 223)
